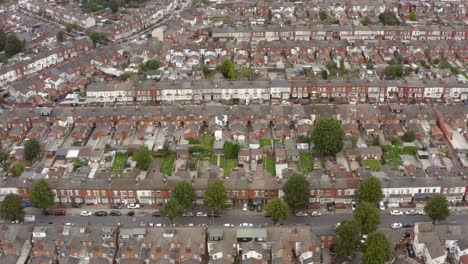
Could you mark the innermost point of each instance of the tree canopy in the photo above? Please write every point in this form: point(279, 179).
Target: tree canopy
point(347, 238)
point(367, 216)
point(32, 149)
point(143, 158)
point(365, 21)
point(150, 65)
point(228, 70)
point(409, 136)
point(394, 71)
point(12, 208)
point(215, 194)
point(231, 150)
point(323, 15)
point(370, 190)
point(17, 168)
point(97, 37)
point(378, 249)
point(437, 208)
point(11, 44)
point(184, 193)
point(42, 195)
point(296, 192)
point(389, 18)
point(277, 209)
point(328, 136)
point(172, 209)
point(413, 16)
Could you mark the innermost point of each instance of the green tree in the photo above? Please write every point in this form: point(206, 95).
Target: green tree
point(409, 136)
point(367, 217)
point(378, 249)
point(228, 69)
point(125, 76)
point(32, 149)
point(413, 16)
point(114, 6)
point(172, 209)
point(184, 193)
point(370, 190)
point(343, 70)
point(324, 74)
point(13, 45)
point(42, 195)
point(323, 15)
point(143, 158)
point(270, 14)
point(97, 37)
point(437, 208)
point(12, 208)
point(347, 238)
point(69, 27)
point(61, 36)
point(389, 18)
point(331, 67)
point(3, 36)
point(369, 65)
point(18, 168)
point(365, 21)
point(328, 136)
point(215, 194)
point(152, 65)
point(296, 192)
point(277, 209)
point(231, 150)
point(394, 71)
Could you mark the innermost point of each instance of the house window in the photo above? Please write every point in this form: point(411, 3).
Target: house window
point(88, 193)
point(419, 190)
point(103, 192)
point(339, 192)
point(434, 190)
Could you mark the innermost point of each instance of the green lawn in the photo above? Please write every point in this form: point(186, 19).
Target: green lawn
point(392, 156)
point(229, 165)
point(277, 140)
point(307, 162)
point(202, 147)
point(167, 164)
point(119, 162)
point(409, 151)
point(373, 164)
point(270, 165)
point(265, 142)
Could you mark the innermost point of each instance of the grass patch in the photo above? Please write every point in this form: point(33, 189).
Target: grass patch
point(277, 141)
point(270, 165)
point(392, 156)
point(119, 162)
point(229, 165)
point(265, 142)
point(409, 150)
point(307, 162)
point(167, 164)
point(202, 148)
point(373, 164)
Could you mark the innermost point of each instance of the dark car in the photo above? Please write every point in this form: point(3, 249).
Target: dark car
point(252, 207)
point(259, 208)
point(47, 212)
point(116, 206)
point(213, 214)
point(76, 205)
point(115, 213)
point(59, 213)
point(156, 214)
point(100, 213)
point(131, 213)
point(330, 207)
point(26, 204)
point(407, 225)
point(411, 252)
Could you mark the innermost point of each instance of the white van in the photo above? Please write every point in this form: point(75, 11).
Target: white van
point(29, 219)
point(382, 206)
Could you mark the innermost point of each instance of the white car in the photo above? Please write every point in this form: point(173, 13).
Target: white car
point(246, 225)
point(133, 206)
point(421, 212)
point(315, 213)
point(396, 225)
point(160, 225)
point(190, 224)
point(353, 205)
point(86, 213)
point(285, 103)
point(201, 214)
point(228, 225)
point(396, 212)
point(245, 207)
point(363, 239)
point(411, 212)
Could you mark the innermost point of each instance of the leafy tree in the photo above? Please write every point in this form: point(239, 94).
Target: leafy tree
point(143, 158)
point(184, 193)
point(367, 217)
point(343, 70)
point(215, 194)
point(32, 149)
point(409, 136)
point(71, 26)
point(277, 209)
point(324, 74)
point(437, 208)
point(332, 68)
point(3, 157)
point(389, 18)
point(270, 14)
point(42, 195)
point(97, 37)
point(78, 163)
point(13, 45)
point(328, 136)
point(172, 209)
point(114, 6)
point(231, 150)
point(378, 249)
point(370, 190)
point(3, 36)
point(413, 16)
point(365, 21)
point(12, 208)
point(347, 238)
point(149, 65)
point(125, 76)
point(228, 69)
point(18, 168)
point(323, 15)
point(296, 192)
point(394, 71)
point(369, 65)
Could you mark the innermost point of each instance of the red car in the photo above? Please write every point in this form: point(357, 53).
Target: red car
point(59, 213)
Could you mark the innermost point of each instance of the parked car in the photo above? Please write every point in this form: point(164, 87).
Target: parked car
point(116, 206)
point(100, 213)
point(245, 207)
point(201, 214)
point(156, 214)
point(213, 214)
point(259, 208)
point(411, 252)
point(187, 214)
point(115, 213)
point(228, 225)
point(301, 214)
point(381, 206)
point(133, 206)
point(353, 205)
point(411, 212)
point(86, 213)
point(26, 204)
point(60, 213)
point(421, 212)
point(330, 207)
point(396, 212)
point(246, 225)
point(47, 212)
point(396, 225)
point(131, 213)
point(315, 213)
point(252, 207)
point(76, 205)
point(408, 225)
